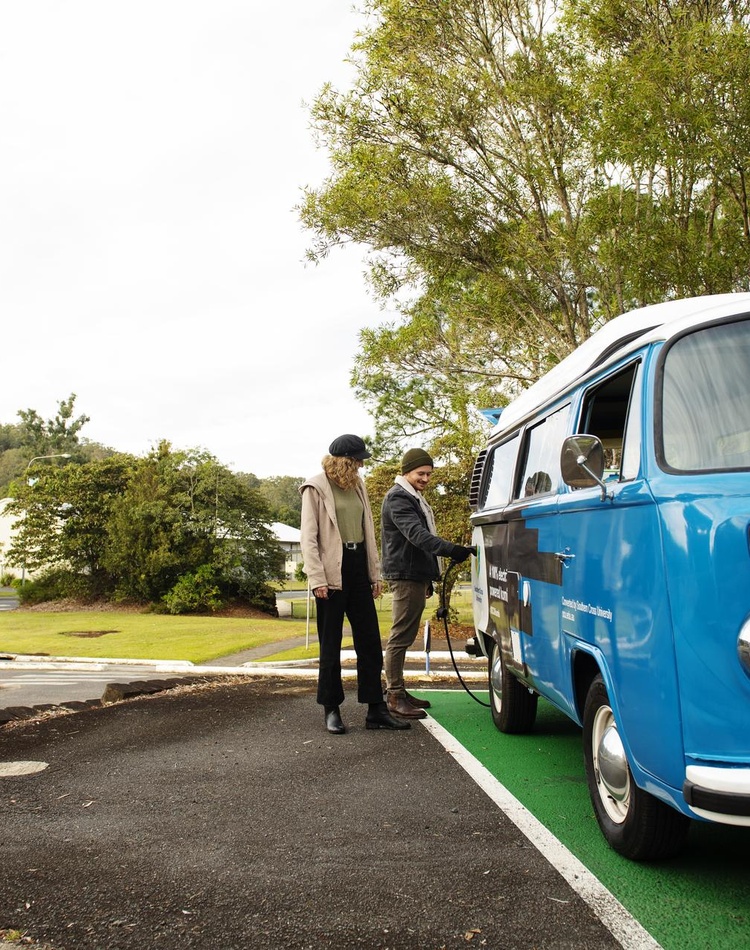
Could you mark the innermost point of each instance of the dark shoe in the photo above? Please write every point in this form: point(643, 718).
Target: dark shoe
point(378, 717)
point(333, 722)
point(419, 703)
point(399, 705)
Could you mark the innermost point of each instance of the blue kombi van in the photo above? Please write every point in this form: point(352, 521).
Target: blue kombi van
point(611, 514)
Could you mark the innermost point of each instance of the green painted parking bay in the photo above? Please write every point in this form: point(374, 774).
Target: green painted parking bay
point(694, 902)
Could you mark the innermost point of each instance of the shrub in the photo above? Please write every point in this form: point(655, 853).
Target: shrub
point(194, 592)
point(56, 584)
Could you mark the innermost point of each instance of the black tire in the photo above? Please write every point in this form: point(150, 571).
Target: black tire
point(512, 704)
point(634, 823)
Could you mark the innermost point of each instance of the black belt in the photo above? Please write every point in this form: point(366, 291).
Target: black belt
point(352, 546)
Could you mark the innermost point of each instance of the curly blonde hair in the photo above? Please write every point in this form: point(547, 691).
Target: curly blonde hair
point(341, 470)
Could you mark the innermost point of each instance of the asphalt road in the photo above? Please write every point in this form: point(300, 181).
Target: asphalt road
point(224, 816)
point(59, 683)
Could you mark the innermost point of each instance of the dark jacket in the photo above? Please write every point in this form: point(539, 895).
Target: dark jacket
point(409, 550)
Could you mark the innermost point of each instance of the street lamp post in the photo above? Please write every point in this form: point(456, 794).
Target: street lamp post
point(57, 455)
point(37, 458)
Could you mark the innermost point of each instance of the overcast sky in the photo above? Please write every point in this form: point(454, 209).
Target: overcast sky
point(151, 260)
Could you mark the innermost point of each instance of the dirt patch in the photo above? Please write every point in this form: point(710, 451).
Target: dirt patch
point(459, 634)
point(87, 633)
point(69, 605)
point(249, 613)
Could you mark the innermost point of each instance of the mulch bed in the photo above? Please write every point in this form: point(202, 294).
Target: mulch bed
point(69, 605)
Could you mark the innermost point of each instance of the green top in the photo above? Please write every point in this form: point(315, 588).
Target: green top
point(349, 513)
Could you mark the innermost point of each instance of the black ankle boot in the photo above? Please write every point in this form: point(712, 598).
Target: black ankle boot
point(334, 723)
point(378, 717)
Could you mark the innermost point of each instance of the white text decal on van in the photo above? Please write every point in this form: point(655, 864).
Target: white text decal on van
point(578, 605)
point(499, 577)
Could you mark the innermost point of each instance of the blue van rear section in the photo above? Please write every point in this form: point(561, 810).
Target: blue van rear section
point(708, 577)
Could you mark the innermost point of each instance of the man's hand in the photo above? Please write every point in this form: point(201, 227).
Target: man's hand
point(461, 553)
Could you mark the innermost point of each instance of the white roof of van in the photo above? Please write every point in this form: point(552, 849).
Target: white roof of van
point(614, 335)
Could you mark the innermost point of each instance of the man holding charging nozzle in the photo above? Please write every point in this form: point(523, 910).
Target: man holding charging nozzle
point(410, 549)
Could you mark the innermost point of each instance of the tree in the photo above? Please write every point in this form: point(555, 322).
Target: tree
point(10, 438)
point(522, 173)
point(13, 463)
point(184, 513)
point(174, 528)
point(281, 493)
point(456, 159)
point(55, 435)
point(670, 138)
point(64, 517)
point(34, 437)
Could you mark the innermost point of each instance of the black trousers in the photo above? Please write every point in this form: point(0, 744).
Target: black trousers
point(355, 601)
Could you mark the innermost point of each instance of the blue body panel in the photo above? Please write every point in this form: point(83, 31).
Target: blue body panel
point(707, 559)
point(652, 582)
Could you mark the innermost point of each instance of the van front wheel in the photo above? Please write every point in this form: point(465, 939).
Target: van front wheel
point(513, 705)
point(635, 824)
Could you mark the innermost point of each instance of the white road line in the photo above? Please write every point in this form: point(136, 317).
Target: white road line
point(29, 679)
point(621, 924)
point(73, 676)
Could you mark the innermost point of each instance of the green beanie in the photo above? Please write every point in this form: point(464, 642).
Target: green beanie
point(413, 459)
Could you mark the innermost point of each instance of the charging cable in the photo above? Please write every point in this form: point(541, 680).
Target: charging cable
point(442, 614)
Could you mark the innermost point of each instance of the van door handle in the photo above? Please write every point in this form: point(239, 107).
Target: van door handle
point(564, 556)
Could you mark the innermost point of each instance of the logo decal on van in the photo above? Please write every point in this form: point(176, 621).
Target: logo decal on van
point(508, 608)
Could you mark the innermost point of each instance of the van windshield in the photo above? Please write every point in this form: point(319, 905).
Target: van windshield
point(706, 400)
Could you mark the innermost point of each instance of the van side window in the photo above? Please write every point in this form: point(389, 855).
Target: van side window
point(631, 453)
point(541, 469)
point(606, 415)
point(705, 400)
point(500, 468)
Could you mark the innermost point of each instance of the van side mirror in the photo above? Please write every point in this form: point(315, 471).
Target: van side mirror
point(582, 462)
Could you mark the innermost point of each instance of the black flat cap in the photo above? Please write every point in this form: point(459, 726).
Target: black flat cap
point(351, 446)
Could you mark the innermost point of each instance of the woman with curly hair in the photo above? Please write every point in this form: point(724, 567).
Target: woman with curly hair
point(342, 565)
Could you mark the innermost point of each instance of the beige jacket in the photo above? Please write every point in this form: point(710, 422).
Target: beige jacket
point(321, 542)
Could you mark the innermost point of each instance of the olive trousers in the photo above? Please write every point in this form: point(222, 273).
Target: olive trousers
point(409, 599)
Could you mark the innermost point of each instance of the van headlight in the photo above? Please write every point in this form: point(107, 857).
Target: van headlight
point(743, 646)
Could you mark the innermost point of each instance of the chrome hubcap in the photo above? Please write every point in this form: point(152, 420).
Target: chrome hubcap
point(610, 765)
point(496, 678)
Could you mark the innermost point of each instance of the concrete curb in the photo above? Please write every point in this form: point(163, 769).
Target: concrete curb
point(35, 662)
point(119, 691)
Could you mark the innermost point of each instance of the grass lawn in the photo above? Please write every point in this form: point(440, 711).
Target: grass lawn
point(141, 636)
point(134, 636)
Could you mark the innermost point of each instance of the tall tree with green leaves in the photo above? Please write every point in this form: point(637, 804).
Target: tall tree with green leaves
point(521, 173)
point(281, 493)
point(60, 434)
point(63, 512)
point(172, 528)
point(456, 158)
point(669, 133)
point(184, 513)
point(35, 437)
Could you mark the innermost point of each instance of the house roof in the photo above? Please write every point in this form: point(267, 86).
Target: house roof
point(285, 533)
